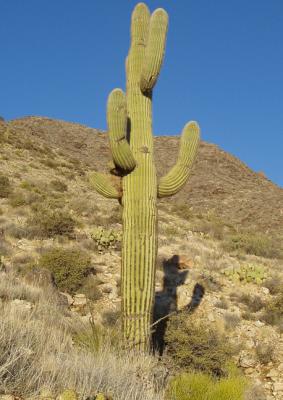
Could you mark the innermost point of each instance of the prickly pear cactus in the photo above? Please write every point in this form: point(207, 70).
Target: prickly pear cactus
point(247, 273)
point(105, 238)
point(134, 181)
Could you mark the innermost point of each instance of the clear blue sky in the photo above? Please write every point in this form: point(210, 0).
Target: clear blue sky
point(223, 67)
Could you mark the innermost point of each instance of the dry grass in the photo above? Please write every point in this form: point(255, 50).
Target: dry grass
point(37, 350)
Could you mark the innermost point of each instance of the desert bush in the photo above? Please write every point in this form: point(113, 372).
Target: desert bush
point(111, 318)
point(46, 223)
point(183, 210)
point(90, 288)
point(195, 345)
point(265, 352)
point(69, 266)
point(17, 199)
point(258, 244)
point(58, 185)
point(273, 313)
point(274, 284)
point(50, 163)
point(199, 386)
point(222, 303)
point(231, 320)
point(5, 186)
point(253, 302)
point(213, 227)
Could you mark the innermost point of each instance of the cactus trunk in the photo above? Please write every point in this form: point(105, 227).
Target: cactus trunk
point(131, 141)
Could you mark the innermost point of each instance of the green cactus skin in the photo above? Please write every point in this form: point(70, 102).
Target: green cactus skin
point(131, 141)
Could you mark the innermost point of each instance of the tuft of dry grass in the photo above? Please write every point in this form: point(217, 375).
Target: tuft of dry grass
point(37, 350)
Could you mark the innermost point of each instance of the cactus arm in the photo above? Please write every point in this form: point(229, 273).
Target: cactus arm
point(155, 49)
point(103, 184)
point(117, 129)
point(176, 178)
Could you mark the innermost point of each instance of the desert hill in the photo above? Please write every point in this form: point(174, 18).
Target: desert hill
point(219, 183)
point(220, 257)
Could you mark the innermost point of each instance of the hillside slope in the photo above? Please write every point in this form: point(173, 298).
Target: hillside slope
point(219, 182)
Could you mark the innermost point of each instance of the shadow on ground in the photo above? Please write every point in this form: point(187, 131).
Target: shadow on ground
point(166, 300)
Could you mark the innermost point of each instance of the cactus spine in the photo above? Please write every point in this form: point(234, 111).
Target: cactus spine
point(129, 119)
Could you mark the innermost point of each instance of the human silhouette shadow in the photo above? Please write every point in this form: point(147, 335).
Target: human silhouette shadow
point(166, 300)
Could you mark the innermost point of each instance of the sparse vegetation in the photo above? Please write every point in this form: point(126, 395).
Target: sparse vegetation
point(258, 244)
point(69, 266)
point(195, 345)
point(90, 288)
point(199, 386)
point(5, 186)
point(58, 185)
point(265, 352)
point(37, 351)
point(46, 223)
point(273, 313)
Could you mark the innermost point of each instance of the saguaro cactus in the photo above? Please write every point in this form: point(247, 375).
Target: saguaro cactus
point(134, 180)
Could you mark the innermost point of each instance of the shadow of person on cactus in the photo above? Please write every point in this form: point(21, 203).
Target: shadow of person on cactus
point(166, 301)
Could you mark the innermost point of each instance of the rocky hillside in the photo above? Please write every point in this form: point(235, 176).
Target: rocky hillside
point(219, 262)
point(220, 182)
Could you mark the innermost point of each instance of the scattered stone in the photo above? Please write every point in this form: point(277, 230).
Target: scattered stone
point(278, 386)
point(247, 361)
point(21, 305)
point(211, 318)
point(265, 290)
point(107, 288)
point(259, 324)
point(80, 300)
point(7, 397)
point(273, 373)
point(68, 297)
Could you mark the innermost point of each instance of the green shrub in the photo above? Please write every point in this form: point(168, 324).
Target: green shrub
point(258, 244)
point(197, 386)
point(195, 345)
point(69, 266)
point(5, 186)
point(47, 223)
